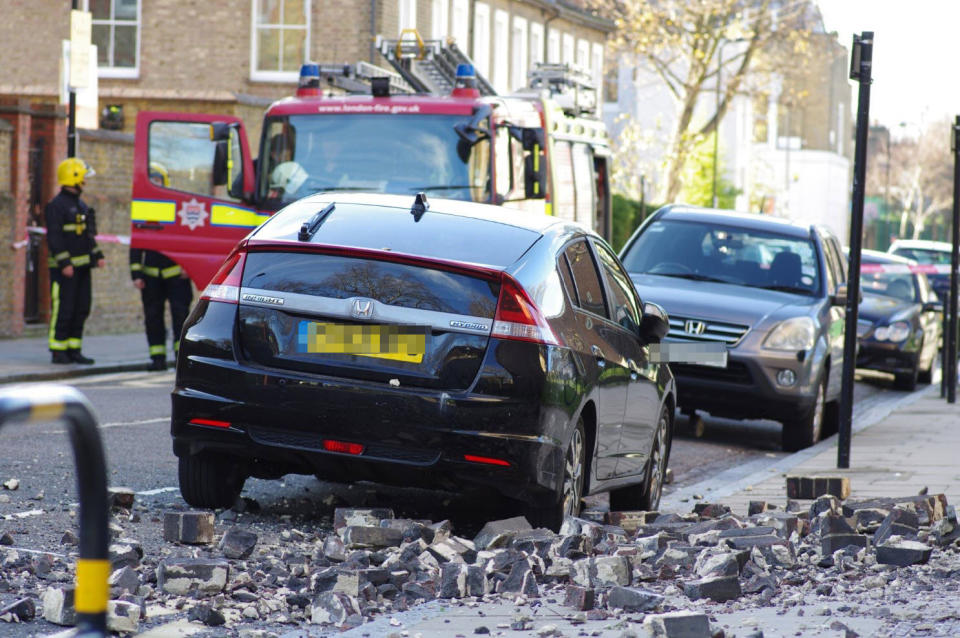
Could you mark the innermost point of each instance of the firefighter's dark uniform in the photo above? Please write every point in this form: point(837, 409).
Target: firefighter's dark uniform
point(71, 229)
point(163, 282)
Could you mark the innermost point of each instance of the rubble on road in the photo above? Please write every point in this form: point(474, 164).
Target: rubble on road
point(653, 573)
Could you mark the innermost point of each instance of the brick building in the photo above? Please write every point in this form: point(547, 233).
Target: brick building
point(232, 57)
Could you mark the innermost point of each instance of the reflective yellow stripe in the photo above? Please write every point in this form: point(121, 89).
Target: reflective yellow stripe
point(136, 266)
point(46, 412)
point(69, 226)
point(80, 260)
point(151, 271)
point(62, 255)
point(74, 344)
point(172, 271)
point(176, 346)
point(157, 350)
point(145, 210)
point(548, 208)
point(51, 262)
point(224, 215)
point(54, 312)
point(92, 590)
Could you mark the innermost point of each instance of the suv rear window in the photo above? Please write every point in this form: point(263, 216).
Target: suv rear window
point(435, 235)
point(339, 277)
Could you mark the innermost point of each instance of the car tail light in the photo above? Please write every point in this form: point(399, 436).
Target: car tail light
point(225, 285)
point(342, 447)
point(518, 317)
point(486, 460)
point(211, 422)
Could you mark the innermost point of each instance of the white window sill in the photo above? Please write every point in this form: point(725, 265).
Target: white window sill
point(118, 73)
point(274, 76)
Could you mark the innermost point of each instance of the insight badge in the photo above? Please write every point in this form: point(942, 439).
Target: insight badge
point(276, 301)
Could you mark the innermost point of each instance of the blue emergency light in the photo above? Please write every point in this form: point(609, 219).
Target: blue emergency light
point(466, 82)
point(309, 83)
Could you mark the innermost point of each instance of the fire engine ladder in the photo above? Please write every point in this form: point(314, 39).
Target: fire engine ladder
point(570, 87)
point(357, 78)
point(429, 66)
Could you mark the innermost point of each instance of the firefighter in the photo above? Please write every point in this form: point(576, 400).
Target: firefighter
point(160, 281)
point(71, 232)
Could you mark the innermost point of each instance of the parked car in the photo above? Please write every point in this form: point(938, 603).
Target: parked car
point(771, 290)
point(442, 344)
point(923, 251)
point(899, 320)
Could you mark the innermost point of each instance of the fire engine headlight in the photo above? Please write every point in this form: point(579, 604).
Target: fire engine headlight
point(797, 333)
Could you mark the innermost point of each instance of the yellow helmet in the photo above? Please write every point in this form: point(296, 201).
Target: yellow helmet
point(158, 174)
point(72, 171)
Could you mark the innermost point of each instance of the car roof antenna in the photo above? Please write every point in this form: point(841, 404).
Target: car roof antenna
point(420, 206)
point(309, 228)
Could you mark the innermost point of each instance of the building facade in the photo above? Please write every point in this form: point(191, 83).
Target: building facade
point(232, 57)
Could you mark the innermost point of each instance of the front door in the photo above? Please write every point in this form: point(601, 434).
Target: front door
point(192, 175)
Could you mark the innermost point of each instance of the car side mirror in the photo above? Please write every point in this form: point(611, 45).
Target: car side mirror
point(933, 306)
point(655, 323)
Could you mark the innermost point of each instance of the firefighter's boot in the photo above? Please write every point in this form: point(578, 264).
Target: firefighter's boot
point(60, 356)
point(77, 357)
point(158, 363)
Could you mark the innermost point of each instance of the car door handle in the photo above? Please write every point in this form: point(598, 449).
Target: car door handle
point(598, 353)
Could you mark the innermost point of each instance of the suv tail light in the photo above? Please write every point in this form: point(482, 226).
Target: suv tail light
point(225, 285)
point(518, 317)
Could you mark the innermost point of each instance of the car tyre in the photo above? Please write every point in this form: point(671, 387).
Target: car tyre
point(907, 381)
point(806, 429)
point(646, 496)
point(569, 500)
point(209, 481)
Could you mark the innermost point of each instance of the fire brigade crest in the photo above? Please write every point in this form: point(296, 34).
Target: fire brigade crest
point(192, 214)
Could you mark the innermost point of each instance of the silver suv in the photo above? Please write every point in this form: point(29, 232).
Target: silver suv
point(771, 290)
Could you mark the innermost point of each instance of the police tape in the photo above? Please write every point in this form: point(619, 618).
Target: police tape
point(40, 230)
point(904, 269)
point(705, 354)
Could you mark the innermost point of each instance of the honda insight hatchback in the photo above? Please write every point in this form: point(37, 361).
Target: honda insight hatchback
point(441, 344)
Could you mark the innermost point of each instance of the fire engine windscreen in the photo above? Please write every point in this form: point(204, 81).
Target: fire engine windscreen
point(381, 153)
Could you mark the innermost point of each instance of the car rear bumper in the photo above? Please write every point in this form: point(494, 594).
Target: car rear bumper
point(747, 388)
point(277, 423)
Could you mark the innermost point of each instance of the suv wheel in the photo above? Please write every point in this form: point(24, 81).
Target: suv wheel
point(805, 430)
point(209, 481)
point(574, 475)
point(646, 496)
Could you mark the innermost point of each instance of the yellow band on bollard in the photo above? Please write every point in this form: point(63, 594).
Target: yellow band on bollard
point(92, 590)
point(46, 411)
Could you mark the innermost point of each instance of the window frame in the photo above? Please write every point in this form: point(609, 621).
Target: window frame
point(440, 19)
point(610, 287)
point(235, 143)
point(458, 28)
point(519, 52)
point(482, 34)
point(536, 42)
point(122, 72)
point(257, 75)
point(597, 271)
point(500, 51)
point(407, 11)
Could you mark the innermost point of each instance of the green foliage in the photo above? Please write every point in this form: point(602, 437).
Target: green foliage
point(627, 215)
point(697, 178)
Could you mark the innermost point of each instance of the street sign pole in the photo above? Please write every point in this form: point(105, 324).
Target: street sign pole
point(860, 69)
point(72, 110)
point(950, 370)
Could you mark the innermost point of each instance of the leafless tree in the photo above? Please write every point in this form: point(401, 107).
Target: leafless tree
point(921, 177)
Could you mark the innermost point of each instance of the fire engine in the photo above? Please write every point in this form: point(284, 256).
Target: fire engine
point(429, 124)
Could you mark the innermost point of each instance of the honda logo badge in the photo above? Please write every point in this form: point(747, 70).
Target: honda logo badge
point(362, 308)
point(694, 327)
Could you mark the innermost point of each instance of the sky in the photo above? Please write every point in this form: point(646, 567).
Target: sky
point(915, 81)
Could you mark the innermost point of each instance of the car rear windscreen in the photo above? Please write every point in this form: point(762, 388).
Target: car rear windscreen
point(432, 235)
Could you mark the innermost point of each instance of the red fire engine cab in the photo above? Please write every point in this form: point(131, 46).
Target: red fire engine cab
point(197, 190)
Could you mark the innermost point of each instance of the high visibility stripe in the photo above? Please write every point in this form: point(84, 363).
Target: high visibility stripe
point(80, 260)
point(69, 226)
point(148, 210)
point(136, 266)
point(157, 350)
point(224, 215)
point(151, 271)
point(170, 272)
point(74, 343)
point(92, 590)
point(62, 255)
point(54, 313)
point(176, 346)
point(46, 412)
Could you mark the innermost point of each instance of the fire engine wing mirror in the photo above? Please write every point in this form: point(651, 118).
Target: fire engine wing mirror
point(472, 132)
point(221, 169)
point(220, 131)
point(534, 164)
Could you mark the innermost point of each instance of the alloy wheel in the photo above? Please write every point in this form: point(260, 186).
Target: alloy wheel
point(573, 473)
point(658, 461)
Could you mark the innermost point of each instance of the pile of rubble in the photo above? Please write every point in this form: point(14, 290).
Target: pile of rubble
point(668, 571)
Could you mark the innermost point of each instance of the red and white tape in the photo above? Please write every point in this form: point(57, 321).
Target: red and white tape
point(903, 269)
point(101, 238)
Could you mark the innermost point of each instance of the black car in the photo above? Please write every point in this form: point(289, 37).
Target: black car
point(899, 321)
point(443, 344)
point(771, 291)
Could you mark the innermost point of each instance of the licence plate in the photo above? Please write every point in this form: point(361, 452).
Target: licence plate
point(398, 343)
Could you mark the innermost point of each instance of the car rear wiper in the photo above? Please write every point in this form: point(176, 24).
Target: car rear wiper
point(309, 228)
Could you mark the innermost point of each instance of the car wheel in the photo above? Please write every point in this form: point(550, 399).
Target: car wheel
point(646, 496)
point(574, 474)
point(908, 380)
point(209, 481)
point(805, 430)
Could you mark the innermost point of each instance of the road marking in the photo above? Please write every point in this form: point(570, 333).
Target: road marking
point(159, 490)
point(11, 548)
point(119, 424)
point(24, 514)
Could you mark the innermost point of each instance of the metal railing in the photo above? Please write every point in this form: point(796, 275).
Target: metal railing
point(50, 402)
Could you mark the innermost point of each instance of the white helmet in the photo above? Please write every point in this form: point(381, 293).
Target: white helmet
point(289, 176)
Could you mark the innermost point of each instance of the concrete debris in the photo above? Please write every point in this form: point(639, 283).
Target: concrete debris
point(238, 543)
point(195, 528)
